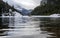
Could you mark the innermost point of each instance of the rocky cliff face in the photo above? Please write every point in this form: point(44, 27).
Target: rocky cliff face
point(4, 7)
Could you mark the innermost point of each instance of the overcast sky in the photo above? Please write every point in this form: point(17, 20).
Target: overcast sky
point(28, 4)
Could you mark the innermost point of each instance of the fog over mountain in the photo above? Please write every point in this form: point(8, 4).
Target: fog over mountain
point(28, 4)
point(23, 5)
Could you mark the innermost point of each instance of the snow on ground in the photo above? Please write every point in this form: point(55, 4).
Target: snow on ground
point(55, 15)
point(17, 14)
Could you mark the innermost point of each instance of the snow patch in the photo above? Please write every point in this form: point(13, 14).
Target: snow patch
point(55, 15)
point(17, 14)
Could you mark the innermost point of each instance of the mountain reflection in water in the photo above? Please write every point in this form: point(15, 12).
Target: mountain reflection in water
point(28, 27)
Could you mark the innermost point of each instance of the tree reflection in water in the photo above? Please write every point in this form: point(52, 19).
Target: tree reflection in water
point(52, 26)
point(4, 24)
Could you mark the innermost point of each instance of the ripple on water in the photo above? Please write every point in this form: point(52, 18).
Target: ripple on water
point(21, 27)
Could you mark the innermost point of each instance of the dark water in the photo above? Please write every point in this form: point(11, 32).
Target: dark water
point(28, 27)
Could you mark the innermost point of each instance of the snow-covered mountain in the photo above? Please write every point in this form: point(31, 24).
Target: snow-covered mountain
point(23, 10)
point(23, 6)
point(19, 8)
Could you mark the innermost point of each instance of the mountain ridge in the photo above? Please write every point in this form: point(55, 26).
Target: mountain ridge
point(19, 8)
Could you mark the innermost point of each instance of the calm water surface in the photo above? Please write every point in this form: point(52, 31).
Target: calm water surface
point(30, 27)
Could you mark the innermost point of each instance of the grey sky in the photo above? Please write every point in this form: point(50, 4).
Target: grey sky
point(28, 4)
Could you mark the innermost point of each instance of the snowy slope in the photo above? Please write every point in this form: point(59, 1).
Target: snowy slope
point(17, 14)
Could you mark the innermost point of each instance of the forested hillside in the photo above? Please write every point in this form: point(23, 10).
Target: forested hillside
point(52, 7)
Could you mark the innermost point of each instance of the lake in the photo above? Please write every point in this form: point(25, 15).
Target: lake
point(29, 27)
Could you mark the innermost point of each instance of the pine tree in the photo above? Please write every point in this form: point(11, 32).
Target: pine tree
point(47, 9)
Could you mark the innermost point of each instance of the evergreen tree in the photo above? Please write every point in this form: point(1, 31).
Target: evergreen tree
point(47, 9)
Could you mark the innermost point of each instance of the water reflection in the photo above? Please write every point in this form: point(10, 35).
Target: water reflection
point(52, 27)
point(28, 27)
